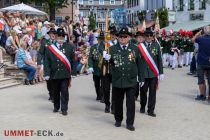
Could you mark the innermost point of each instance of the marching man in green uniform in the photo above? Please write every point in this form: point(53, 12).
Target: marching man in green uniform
point(95, 61)
point(58, 62)
point(41, 56)
point(125, 64)
point(152, 71)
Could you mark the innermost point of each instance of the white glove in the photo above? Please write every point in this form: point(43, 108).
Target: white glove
point(161, 77)
point(90, 70)
point(141, 84)
point(107, 57)
point(47, 78)
point(104, 54)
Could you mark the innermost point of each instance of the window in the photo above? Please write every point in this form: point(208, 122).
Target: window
point(101, 2)
point(122, 1)
point(112, 2)
point(90, 2)
point(58, 20)
point(191, 5)
point(7, 3)
point(202, 4)
point(181, 5)
point(80, 1)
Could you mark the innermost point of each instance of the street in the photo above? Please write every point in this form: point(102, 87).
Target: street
point(179, 116)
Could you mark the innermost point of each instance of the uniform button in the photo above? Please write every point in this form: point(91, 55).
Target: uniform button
point(123, 74)
point(123, 68)
point(57, 60)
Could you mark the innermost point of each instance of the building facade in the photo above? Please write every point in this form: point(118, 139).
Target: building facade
point(191, 10)
point(99, 8)
point(134, 6)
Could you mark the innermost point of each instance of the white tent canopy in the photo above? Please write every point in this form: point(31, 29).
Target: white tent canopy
point(24, 8)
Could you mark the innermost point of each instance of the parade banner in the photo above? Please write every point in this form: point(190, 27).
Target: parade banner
point(148, 59)
point(61, 56)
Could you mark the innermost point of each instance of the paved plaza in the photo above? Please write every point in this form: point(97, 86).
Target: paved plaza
point(179, 116)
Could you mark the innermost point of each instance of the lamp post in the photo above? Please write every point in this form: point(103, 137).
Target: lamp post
point(72, 8)
point(95, 13)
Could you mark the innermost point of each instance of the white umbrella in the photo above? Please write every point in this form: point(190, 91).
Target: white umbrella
point(24, 8)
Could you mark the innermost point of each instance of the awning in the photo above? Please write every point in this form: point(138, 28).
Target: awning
point(24, 8)
point(188, 26)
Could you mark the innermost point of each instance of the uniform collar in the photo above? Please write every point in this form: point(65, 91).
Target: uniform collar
point(123, 47)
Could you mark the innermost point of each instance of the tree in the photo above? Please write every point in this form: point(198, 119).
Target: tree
point(51, 5)
point(92, 22)
point(163, 17)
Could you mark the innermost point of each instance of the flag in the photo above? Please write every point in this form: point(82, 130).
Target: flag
point(157, 24)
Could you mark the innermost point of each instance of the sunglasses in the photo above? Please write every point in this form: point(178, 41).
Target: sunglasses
point(149, 35)
point(123, 36)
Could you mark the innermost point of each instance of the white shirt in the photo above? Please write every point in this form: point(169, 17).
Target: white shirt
point(9, 41)
point(44, 31)
point(123, 47)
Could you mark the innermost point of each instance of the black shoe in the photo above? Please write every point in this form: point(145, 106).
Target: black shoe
point(98, 98)
point(152, 114)
point(200, 98)
point(64, 113)
point(142, 110)
point(130, 127)
point(26, 82)
point(50, 98)
point(113, 112)
point(179, 66)
point(31, 82)
point(107, 109)
point(55, 110)
point(102, 101)
point(189, 73)
point(172, 68)
point(117, 124)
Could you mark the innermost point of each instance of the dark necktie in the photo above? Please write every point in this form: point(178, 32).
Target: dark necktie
point(124, 47)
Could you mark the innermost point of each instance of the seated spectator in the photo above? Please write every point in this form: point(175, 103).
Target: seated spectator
point(2, 51)
point(26, 64)
point(11, 45)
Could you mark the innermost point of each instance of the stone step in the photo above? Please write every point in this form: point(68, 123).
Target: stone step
point(4, 81)
point(9, 85)
point(1, 75)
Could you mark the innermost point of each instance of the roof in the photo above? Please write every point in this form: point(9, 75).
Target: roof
point(189, 26)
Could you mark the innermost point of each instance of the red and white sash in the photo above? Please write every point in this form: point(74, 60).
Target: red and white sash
point(61, 56)
point(148, 59)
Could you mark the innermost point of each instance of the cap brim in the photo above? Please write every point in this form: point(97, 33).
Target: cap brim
point(51, 32)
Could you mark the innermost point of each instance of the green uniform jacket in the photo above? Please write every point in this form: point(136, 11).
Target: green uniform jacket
point(155, 53)
point(41, 53)
point(54, 67)
point(96, 53)
point(190, 46)
point(125, 66)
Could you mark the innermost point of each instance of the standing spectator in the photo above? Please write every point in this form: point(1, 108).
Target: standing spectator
point(45, 29)
point(77, 33)
point(203, 61)
point(95, 36)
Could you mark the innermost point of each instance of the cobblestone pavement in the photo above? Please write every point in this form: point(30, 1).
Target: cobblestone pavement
point(179, 116)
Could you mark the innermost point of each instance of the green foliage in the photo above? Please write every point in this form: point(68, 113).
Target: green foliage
point(92, 22)
point(163, 17)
